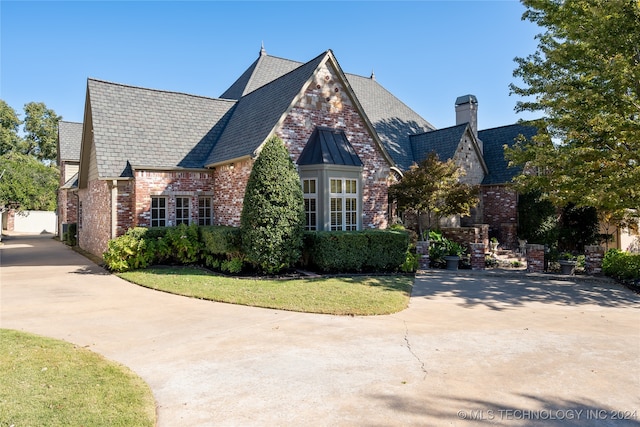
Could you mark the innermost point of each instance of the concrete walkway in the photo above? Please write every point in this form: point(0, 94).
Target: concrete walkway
point(471, 349)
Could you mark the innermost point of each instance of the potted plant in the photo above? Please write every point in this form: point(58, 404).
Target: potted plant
point(494, 244)
point(454, 252)
point(567, 263)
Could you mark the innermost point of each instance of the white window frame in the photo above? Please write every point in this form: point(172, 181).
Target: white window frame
point(343, 204)
point(160, 220)
point(310, 192)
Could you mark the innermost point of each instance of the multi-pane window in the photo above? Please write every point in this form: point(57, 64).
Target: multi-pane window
point(344, 204)
point(158, 211)
point(310, 204)
point(182, 210)
point(204, 211)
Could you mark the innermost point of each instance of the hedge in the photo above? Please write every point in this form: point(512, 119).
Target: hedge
point(621, 265)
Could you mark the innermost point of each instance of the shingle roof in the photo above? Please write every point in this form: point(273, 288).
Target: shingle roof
point(494, 141)
point(328, 146)
point(69, 141)
point(258, 112)
point(443, 142)
point(154, 128)
point(392, 120)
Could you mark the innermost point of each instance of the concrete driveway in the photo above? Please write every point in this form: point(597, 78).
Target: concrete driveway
point(471, 349)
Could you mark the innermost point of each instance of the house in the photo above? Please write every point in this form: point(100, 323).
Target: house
point(158, 158)
point(69, 140)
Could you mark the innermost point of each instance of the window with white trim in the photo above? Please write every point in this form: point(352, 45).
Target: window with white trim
point(310, 192)
point(182, 210)
point(343, 197)
point(158, 211)
point(205, 212)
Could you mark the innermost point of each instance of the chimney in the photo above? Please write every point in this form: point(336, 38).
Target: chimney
point(467, 112)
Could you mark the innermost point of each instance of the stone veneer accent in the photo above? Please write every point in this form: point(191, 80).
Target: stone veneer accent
point(94, 227)
point(535, 258)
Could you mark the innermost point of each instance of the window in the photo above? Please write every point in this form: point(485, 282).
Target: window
point(158, 211)
point(310, 204)
point(344, 204)
point(182, 210)
point(204, 211)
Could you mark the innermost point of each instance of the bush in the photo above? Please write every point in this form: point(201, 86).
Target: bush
point(70, 236)
point(128, 252)
point(356, 251)
point(272, 219)
point(221, 248)
point(621, 265)
point(184, 244)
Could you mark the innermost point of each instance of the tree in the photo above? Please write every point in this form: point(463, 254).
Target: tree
point(585, 78)
point(433, 188)
point(272, 219)
point(41, 127)
point(9, 125)
point(26, 183)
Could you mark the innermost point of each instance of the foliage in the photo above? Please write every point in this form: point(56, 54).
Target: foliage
point(41, 127)
point(184, 243)
point(356, 251)
point(272, 219)
point(584, 76)
point(127, 252)
point(361, 295)
point(9, 126)
point(440, 246)
point(222, 248)
point(433, 188)
point(578, 227)
point(621, 265)
point(537, 219)
point(47, 382)
point(411, 263)
point(26, 183)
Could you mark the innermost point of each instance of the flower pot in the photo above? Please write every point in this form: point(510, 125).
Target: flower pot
point(452, 262)
point(567, 267)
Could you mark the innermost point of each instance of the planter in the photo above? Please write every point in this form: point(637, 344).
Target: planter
point(567, 267)
point(452, 262)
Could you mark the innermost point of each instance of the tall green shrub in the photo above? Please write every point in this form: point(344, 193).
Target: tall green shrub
point(272, 219)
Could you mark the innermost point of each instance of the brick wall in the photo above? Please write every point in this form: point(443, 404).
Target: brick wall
point(500, 206)
point(535, 258)
point(230, 183)
point(467, 235)
point(94, 228)
point(326, 103)
point(170, 184)
point(593, 259)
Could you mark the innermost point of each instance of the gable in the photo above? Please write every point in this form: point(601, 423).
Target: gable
point(69, 140)
point(443, 142)
point(469, 158)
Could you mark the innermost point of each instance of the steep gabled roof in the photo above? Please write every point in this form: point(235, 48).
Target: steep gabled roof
point(328, 146)
point(443, 142)
point(258, 112)
point(494, 141)
point(69, 141)
point(134, 126)
point(391, 119)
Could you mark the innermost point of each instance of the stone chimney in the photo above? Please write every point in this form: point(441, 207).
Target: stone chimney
point(467, 112)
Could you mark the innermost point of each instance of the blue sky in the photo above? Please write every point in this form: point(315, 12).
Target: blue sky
point(426, 53)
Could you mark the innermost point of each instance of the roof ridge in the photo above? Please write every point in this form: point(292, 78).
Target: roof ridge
point(160, 90)
point(441, 129)
point(69, 121)
point(524, 123)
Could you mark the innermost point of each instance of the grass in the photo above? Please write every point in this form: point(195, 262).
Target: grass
point(54, 383)
point(359, 295)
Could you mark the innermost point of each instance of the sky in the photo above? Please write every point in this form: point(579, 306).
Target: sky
point(427, 53)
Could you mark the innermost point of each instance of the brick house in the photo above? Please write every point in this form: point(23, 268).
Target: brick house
point(152, 158)
point(69, 140)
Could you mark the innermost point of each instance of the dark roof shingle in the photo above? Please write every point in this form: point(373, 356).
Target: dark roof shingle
point(494, 141)
point(69, 141)
point(443, 142)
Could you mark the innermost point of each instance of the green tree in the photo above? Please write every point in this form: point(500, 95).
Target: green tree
point(272, 219)
point(585, 79)
point(9, 125)
point(433, 189)
point(26, 183)
point(41, 128)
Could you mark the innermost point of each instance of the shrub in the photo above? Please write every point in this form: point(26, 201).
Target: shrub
point(70, 236)
point(184, 244)
point(411, 262)
point(221, 248)
point(272, 218)
point(127, 252)
point(621, 265)
point(355, 251)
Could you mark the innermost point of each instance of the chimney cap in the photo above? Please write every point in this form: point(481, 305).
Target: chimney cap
point(466, 99)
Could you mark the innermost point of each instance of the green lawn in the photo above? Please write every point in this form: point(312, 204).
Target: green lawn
point(46, 382)
point(360, 295)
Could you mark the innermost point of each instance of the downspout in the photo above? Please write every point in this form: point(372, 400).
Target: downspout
point(114, 208)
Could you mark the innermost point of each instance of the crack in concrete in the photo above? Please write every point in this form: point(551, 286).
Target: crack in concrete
point(406, 339)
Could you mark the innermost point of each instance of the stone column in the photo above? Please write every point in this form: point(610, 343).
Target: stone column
point(477, 256)
point(535, 258)
point(593, 259)
point(422, 249)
